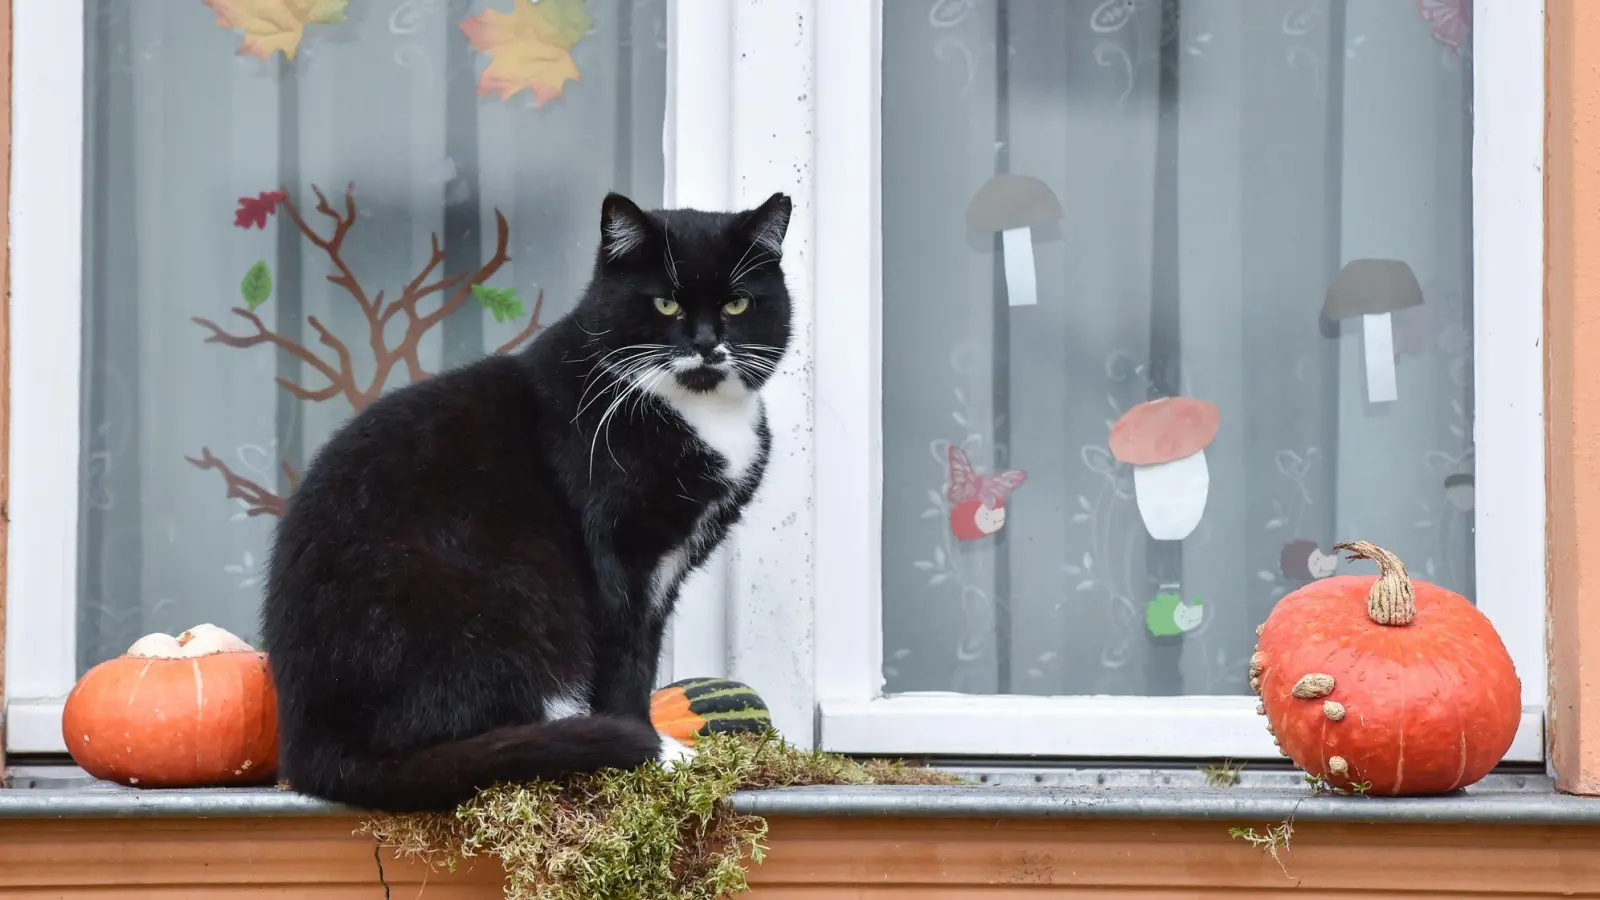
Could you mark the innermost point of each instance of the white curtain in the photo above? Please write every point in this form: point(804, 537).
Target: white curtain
point(1218, 162)
point(179, 128)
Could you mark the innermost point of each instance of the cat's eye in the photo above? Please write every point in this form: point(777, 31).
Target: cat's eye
point(736, 305)
point(667, 307)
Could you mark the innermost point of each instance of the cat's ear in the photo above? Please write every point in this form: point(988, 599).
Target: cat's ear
point(768, 223)
point(623, 226)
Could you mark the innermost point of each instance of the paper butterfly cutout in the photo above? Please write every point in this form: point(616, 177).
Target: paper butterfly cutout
point(979, 499)
point(1450, 20)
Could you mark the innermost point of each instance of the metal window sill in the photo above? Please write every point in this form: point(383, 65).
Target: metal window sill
point(1500, 799)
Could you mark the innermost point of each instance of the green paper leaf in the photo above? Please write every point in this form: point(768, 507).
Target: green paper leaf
point(1158, 615)
point(502, 303)
point(1168, 615)
point(257, 285)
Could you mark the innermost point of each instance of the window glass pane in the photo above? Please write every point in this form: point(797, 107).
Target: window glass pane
point(1091, 204)
point(185, 134)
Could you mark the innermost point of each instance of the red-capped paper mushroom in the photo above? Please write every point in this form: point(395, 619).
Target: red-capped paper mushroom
point(1373, 289)
point(1165, 441)
point(1013, 205)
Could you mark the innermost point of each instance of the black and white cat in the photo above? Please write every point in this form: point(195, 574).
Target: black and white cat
point(470, 585)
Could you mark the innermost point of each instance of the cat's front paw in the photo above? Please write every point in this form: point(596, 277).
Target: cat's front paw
point(673, 753)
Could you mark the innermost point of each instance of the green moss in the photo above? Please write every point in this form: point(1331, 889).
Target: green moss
point(640, 834)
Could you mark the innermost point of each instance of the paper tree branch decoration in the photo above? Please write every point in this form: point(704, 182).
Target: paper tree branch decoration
point(272, 26)
point(528, 47)
point(338, 375)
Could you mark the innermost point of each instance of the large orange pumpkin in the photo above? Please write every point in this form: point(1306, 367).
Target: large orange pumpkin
point(194, 710)
point(1383, 685)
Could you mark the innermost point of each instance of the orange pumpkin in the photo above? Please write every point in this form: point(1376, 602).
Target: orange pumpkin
point(695, 707)
point(194, 710)
point(1383, 685)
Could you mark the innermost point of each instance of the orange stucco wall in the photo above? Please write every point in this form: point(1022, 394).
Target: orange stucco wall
point(5, 335)
point(1572, 381)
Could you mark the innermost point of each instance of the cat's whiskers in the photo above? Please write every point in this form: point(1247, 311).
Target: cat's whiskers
point(758, 361)
point(648, 354)
point(671, 264)
point(741, 271)
point(634, 384)
point(621, 379)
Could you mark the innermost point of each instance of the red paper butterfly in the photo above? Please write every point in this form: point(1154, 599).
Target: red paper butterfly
point(1450, 20)
point(979, 499)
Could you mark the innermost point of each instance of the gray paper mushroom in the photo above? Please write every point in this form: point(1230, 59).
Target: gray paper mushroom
point(1013, 205)
point(1373, 289)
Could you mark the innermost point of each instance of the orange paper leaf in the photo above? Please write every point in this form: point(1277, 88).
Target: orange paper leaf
point(528, 46)
point(273, 25)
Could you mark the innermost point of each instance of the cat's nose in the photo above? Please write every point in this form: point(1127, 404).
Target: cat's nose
point(710, 349)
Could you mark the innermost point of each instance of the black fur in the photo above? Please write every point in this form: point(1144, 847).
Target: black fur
point(472, 547)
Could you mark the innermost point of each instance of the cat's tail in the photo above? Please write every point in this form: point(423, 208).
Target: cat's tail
point(442, 777)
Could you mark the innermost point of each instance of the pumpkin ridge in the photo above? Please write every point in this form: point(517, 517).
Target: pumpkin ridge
point(1462, 648)
point(718, 704)
point(729, 715)
point(720, 693)
point(199, 696)
point(1461, 772)
point(1322, 747)
point(688, 685)
point(134, 691)
point(1400, 753)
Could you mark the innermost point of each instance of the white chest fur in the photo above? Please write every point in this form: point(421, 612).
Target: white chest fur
point(725, 420)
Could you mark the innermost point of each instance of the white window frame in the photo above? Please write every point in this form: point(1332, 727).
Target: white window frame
point(795, 608)
point(46, 342)
point(46, 336)
point(839, 517)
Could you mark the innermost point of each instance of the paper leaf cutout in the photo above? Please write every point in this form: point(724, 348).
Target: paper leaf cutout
point(270, 26)
point(501, 302)
point(257, 285)
point(528, 47)
point(255, 210)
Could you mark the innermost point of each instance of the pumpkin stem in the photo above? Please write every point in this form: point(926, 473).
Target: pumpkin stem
point(1391, 601)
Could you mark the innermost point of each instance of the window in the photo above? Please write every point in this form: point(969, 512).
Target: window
point(1287, 213)
point(1214, 167)
point(164, 289)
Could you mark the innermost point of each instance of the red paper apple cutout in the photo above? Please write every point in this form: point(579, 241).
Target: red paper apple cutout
point(980, 500)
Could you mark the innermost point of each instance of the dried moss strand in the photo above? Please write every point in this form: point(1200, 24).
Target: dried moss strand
point(1391, 600)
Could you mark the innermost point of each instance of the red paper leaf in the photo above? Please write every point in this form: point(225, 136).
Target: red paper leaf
point(256, 210)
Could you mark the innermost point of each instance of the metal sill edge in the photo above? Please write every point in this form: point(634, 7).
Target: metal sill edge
point(1498, 800)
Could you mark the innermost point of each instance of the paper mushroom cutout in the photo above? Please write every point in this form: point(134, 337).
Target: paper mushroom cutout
point(980, 500)
point(1165, 442)
point(1014, 205)
point(1373, 289)
point(1303, 560)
